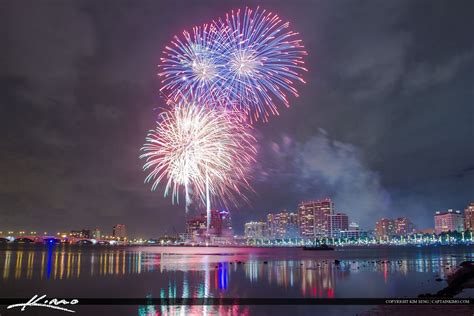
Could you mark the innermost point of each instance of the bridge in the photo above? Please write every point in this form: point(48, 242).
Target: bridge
point(30, 239)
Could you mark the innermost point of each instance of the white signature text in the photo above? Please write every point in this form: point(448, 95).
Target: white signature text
point(41, 301)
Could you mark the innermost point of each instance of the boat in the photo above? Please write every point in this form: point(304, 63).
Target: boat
point(322, 247)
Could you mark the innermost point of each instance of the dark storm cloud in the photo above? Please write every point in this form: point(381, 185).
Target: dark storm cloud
point(322, 167)
point(44, 44)
point(425, 76)
point(384, 125)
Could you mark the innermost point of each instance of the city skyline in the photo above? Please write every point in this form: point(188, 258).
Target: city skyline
point(339, 225)
point(467, 214)
point(383, 124)
point(283, 225)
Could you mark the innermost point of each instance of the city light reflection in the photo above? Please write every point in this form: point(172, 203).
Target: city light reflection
point(218, 275)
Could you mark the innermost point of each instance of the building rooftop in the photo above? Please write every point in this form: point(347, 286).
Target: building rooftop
point(450, 211)
point(316, 201)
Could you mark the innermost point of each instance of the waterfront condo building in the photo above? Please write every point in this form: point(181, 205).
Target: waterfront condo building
point(336, 223)
point(282, 225)
point(385, 228)
point(220, 225)
point(280, 221)
point(119, 231)
point(306, 220)
point(196, 227)
point(292, 230)
point(469, 217)
point(271, 225)
point(257, 230)
point(449, 221)
point(313, 218)
point(403, 226)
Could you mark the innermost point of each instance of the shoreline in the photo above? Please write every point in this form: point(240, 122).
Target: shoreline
point(12, 246)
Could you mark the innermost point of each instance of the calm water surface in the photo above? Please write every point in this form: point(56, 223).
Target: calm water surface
point(134, 272)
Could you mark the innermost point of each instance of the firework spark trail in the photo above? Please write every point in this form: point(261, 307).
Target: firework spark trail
point(206, 150)
point(245, 61)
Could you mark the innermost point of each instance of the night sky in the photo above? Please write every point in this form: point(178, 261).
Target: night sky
point(384, 125)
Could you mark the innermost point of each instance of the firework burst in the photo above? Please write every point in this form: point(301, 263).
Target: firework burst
point(207, 151)
point(263, 60)
point(192, 65)
point(247, 60)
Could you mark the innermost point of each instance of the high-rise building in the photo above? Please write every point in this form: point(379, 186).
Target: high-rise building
point(403, 226)
point(306, 219)
point(336, 223)
point(226, 220)
point(196, 227)
point(219, 226)
point(385, 228)
point(449, 221)
point(321, 217)
point(119, 231)
point(271, 225)
point(313, 217)
point(215, 225)
point(292, 230)
point(281, 221)
point(469, 217)
point(282, 225)
point(257, 230)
